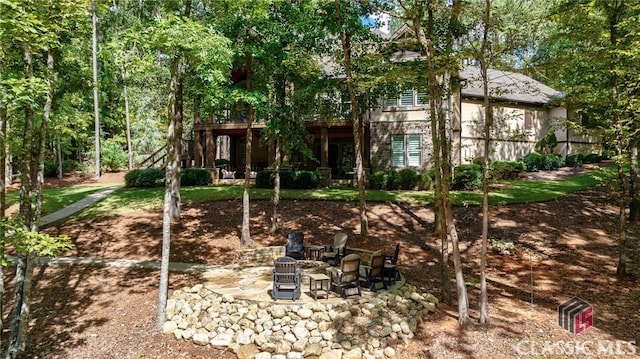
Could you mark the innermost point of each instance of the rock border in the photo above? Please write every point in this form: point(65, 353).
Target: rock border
point(354, 328)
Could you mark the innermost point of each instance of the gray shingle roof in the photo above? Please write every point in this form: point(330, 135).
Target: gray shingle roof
point(507, 86)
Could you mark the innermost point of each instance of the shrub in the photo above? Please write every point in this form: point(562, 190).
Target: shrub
point(289, 179)
point(467, 177)
point(306, 180)
point(221, 162)
point(391, 180)
point(574, 159)
point(70, 166)
point(478, 161)
point(533, 162)
point(425, 182)
point(506, 170)
point(50, 168)
point(552, 162)
point(376, 180)
point(195, 177)
point(408, 178)
point(264, 179)
point(112, 155)
point(148, 177)
point(593, 158)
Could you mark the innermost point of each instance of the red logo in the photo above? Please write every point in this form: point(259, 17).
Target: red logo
point(575, 315)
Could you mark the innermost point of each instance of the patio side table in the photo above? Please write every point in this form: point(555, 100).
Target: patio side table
point(323, 289)
point(314, 252)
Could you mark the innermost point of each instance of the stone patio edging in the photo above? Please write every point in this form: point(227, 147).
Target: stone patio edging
point(361, 327)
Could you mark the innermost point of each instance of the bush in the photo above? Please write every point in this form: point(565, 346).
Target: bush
point(112, 155)
point(467, 177)
point(552, 162)
point(148, 177)
point(221, 162)
point(506, 170)
point(195, 177)
point(408, 178)
point(289, 179)
point(593, 158)
point(306, 180)
point(264, 179)
point(574, 159)
point(478, 161)
point(50, 168)
point(391, 180)
point(376, 180)
point(425, 182)
point(71, 166)
point(533, 162)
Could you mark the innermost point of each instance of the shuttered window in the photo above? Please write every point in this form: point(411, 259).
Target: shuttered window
point(406, 150)
point(414, 150)
point(422, 99)
point(397, 151)
point(528, 120)
point(406, 99)
point(390, 102)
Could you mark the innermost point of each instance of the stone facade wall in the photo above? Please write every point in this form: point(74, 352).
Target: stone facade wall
point(381, 133)
point(252, 257)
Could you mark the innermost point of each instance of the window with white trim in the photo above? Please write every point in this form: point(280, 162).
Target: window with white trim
point(406, 150)
point(409, 98)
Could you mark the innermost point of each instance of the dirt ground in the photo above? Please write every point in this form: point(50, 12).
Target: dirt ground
point(564, 248)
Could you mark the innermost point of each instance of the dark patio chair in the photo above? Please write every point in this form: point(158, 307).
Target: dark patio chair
point(372, 274)
point(286, 279)
point(390, 270)
point(336, 251)
point(347, 277)
point(295, 245)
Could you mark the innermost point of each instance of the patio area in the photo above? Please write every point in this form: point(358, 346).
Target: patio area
point(234, 308)
point(255, 283)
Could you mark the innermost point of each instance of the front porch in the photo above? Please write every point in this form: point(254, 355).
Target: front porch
point(332, 147)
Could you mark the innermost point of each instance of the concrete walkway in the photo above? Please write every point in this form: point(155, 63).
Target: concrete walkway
point(77, 206)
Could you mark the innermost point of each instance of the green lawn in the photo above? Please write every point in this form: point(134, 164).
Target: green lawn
point(507, 192)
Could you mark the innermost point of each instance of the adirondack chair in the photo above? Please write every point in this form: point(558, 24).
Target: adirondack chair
point(372, 274)
point(390, 270)
point(346, 278)
point(286, 279)
point(295, 245)
point(336, 251)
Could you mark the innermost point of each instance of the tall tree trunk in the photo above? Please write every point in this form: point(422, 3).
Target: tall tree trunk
point(276, 185)
point(163, 288)
point(29, 214)
point(171, 209)
point(621, 270)
point(442, 160)
point(345, 38)
point(3, 199)
point(245, 239)
point(59, 156)
point(634, 185)
point(488, 124)
point(126, 112)
point(96, 108)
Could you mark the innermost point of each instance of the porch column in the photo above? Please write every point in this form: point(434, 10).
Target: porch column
point(324, 147)
point(211, 149)
point(198, 150)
